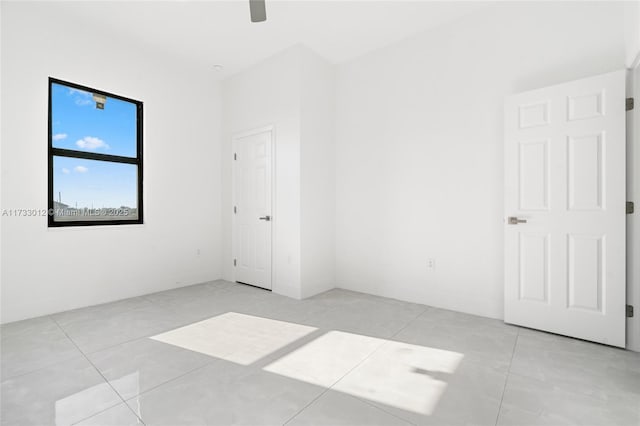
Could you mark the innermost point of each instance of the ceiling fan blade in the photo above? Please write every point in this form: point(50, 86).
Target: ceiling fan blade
point(258, 10)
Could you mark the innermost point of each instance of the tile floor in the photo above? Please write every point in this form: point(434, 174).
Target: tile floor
point(223, 353)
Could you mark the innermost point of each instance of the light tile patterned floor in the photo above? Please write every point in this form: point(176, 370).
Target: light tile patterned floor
point(224, 353)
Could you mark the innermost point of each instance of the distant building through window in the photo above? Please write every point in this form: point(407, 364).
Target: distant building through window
point(95, 157)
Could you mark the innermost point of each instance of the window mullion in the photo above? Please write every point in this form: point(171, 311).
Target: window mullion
point(61, 152)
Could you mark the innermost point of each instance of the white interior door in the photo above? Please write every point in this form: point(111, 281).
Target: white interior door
point(565, 176)
point(252, 208)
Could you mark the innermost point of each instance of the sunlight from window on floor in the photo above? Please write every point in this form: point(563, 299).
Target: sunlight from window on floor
point(239, 338)
point(389, 373)
point(401, 375)
point(325, 359)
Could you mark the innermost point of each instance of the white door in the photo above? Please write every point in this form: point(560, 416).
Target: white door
point(565, 176)
point(252, 208)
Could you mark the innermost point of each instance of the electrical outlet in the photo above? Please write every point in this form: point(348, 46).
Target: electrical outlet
point(431, 264)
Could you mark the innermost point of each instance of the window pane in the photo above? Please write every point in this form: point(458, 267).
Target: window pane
point(94, 190)
point(78, 124)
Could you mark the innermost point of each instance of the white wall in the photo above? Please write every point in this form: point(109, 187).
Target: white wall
point(49, 270)
point(268, 94)
point(419, 146)
point(317, 165)
point(632, 32)
point(418, 157)
point(294, 92)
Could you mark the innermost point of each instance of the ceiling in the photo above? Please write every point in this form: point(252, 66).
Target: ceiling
point(220, 32)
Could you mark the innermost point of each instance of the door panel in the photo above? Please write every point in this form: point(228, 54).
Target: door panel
point(252, 208)
point(534, 180)
point(585, 165)
point(586, 267)
point(565, 175)
point(534, 267)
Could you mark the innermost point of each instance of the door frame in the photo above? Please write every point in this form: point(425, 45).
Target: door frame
point(633, 194)
point(274, 214)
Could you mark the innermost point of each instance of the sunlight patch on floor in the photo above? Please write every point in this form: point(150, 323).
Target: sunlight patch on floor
point(239, 338)
point(325, 359)
point(401, 375)
point(395, 374)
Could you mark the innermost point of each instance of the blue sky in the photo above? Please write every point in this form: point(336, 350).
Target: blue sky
point(77, 124)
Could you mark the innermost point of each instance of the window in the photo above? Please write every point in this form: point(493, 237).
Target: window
point(95, 157)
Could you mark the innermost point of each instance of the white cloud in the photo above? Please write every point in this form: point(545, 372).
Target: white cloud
point(81, 169)
point(65, 171)
point(73, 91)
point(59, 136)
point(81, 97)
point(91, 143)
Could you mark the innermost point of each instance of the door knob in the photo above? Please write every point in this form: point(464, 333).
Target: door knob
point(514, 220)
point(267, 218)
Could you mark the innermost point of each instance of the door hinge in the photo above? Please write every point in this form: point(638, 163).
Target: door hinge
point(629, 311)
point(235, 156)
point(630, 207)
point(235, 262)
point(235, 210)
point(629, 104)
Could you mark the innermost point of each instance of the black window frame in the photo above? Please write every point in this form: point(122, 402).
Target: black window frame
point(70, 153)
